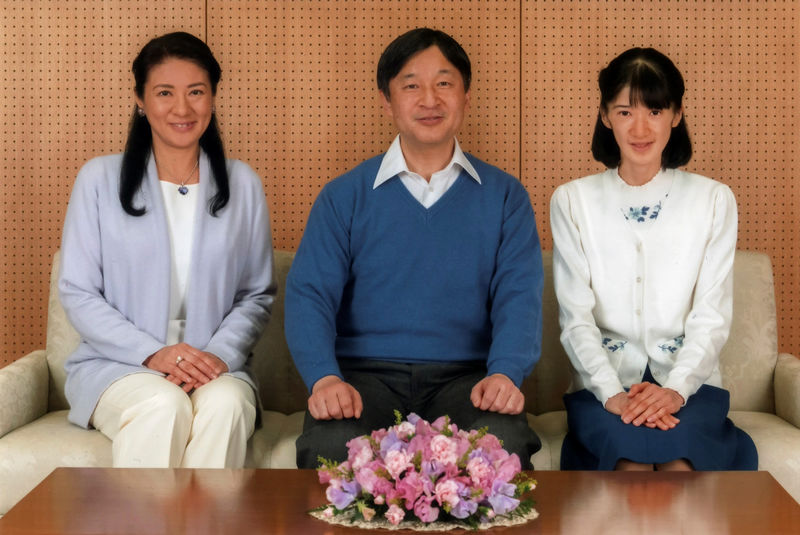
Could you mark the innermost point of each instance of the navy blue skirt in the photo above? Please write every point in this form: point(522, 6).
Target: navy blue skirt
point(705, 436)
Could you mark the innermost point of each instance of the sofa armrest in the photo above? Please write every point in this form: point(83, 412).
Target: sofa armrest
point(23, 391)
point(787, 388)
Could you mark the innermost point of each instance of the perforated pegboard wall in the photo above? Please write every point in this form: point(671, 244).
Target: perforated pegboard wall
point(298, 102)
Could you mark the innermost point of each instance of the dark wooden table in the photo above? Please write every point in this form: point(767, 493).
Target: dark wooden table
point(240, 502)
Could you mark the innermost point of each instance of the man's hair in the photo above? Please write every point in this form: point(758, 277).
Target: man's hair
point(414, 41)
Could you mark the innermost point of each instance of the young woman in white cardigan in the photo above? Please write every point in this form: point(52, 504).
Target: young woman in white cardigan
point(643, 268)
point(166, 274)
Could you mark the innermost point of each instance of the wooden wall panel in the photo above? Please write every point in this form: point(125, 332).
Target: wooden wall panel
point(298, 102)
point(299, 99)
point(66, 96)
point(740, 62)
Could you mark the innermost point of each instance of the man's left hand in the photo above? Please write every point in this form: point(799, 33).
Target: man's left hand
point(497, 393)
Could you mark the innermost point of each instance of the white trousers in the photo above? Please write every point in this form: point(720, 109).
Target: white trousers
point(154, 423)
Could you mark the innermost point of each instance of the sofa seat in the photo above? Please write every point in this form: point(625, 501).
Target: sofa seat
point(35, 436)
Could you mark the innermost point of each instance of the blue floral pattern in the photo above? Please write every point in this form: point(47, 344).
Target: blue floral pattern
point(613, 345)
point(672, 346)
point(640, 214)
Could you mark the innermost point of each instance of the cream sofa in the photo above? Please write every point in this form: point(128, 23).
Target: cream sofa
point(35, 436)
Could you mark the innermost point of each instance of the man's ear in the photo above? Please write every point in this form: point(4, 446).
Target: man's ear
point(387, 104)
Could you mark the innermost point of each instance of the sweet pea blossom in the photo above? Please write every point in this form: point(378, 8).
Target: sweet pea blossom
point(394, 514)
point(359, 452)
point(508, 468)
point(464, 508)
point(425, 510)
point(367, 478)
point(342, 494)
point(411, 487)
point(502, 500)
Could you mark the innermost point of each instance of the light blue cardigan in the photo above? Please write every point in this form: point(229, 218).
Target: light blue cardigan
point(115, 273)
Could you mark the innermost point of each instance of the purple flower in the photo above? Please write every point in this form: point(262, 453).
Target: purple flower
point(342, 494)
point(464, 508)
point(413, 418)
point(390, 443)
point(502, 500)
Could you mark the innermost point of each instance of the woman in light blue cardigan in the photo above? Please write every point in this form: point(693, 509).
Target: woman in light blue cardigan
point(166, 274)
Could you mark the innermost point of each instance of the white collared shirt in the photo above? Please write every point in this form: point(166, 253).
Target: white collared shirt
point(427, 193)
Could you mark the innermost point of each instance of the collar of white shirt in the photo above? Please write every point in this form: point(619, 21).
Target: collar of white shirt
point(395, 164)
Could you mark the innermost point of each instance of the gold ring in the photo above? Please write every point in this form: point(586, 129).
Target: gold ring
point(178, 360)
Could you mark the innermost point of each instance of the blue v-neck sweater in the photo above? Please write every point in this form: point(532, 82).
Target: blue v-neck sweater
point(377, 275)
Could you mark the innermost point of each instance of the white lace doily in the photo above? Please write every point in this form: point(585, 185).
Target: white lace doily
point(416, 525)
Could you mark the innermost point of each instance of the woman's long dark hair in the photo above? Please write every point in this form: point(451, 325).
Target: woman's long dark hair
point(179, 45)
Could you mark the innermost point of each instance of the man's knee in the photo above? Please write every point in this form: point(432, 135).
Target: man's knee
point(514, 432)
point(327, 439)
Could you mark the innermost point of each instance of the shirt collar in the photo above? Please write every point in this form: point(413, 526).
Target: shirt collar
point(394, 163)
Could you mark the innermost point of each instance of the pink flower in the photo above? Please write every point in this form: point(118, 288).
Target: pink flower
point(383, 487)
point(508, 468)
point(324, 475)
point(397, 461)
point(424, 510)
point(447, 492)
point(328, 512)
point(405, 430)
point(480, 473)
point(411, 487)
point(394, 515)
point(359, 452)
point(366, 478)
point(443, 450)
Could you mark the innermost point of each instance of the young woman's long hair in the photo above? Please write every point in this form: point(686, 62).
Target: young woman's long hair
point(179, 45)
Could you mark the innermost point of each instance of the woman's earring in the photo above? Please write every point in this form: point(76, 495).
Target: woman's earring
point(140, 112)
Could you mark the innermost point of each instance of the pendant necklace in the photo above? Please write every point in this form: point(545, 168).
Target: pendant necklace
point(182, 189)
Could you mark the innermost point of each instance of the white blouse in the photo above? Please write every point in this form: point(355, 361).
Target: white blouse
point(180, 211)
point(644, 276)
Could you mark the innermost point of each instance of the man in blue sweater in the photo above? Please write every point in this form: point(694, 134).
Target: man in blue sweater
point(418, 282)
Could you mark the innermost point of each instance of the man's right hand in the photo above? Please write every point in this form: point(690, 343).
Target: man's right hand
point(332, 398)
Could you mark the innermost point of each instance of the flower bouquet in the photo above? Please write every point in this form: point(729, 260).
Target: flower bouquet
point(425, 476)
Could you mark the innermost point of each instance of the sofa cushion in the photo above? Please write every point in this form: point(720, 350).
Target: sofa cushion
point(28, 454)
point(24, 388)
point(777, 442)
point(747, 361)
point(62, 339)
point(551, 428)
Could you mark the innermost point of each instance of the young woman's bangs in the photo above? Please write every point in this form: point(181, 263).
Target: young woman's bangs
point(650, 89)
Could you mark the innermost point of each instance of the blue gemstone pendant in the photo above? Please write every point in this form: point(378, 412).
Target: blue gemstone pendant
point(183, 190)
